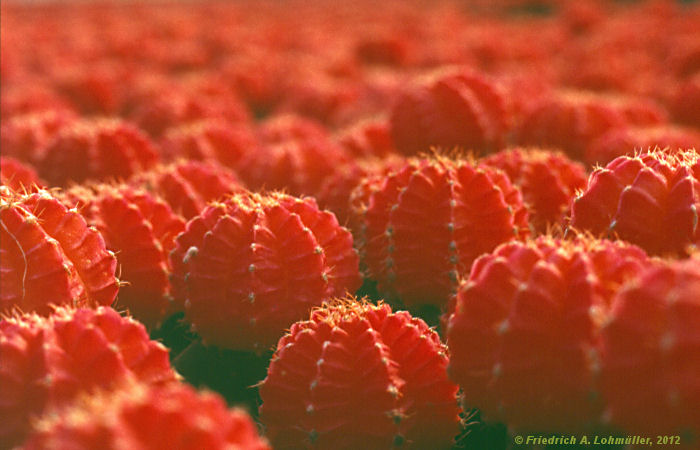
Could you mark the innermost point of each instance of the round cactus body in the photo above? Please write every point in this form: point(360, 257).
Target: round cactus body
point(357, 375)
point(524, 330)
point(140, 229)
point(423, 225)
point(148, 417)
point(547, 179)
point(26, 136)
point(47, 362)
point(250, 265)
point(18, 176)
point(651, 200)
point(49, 255)
point(96, 149)
point(188, 186)
point(460, 109)
point(652, 329)
point(628, 140)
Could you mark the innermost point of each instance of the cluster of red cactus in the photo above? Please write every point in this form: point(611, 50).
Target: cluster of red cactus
point(213, 215)
point(49, 361)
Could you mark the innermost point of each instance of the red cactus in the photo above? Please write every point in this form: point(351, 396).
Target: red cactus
point(290, 127)
point(547, 179)
point(368, 139)
point(255, 76)
point(94, 88)
point(19, 177)
point(250, 265)
point(379, 47)
point(148, 417)
point(327, 99)
point(164, 110)
point(296, 155)
point(49, 255)
point(25, 137)
point(188, 186)
point(651, 199)
point(140, 229)
point(213, 141)
point(685, 102)
point(461, 109)
point(424, 225)
point(628, 140)
point(359, 375)
point(571, 120)
point(639, 111)
point(96, 149)
point(524, 330)
point(48, 362)
point(30, 99)
point(684, 58)
point(336, 191)
point(652, 329)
